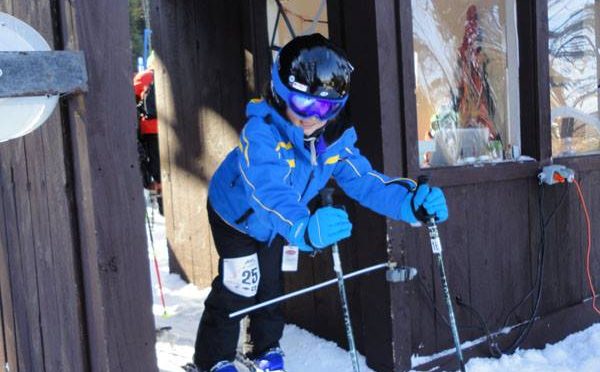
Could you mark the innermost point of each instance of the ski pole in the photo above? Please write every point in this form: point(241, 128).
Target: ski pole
point(327, 200)
point(162, 297)
point(394, 274)
point(436, 247)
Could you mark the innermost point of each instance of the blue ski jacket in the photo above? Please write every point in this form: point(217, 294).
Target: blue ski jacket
point(263, 186)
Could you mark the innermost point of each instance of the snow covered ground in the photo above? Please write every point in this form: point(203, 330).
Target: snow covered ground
point(579, 352)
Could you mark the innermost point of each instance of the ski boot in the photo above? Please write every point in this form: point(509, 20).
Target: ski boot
point(190, 367)
point(270, 361)
point(222, 366)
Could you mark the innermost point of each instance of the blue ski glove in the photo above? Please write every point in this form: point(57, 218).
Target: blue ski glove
point(326, 226)
point(430, 198)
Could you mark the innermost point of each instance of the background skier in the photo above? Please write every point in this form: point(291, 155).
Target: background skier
point(147, 132)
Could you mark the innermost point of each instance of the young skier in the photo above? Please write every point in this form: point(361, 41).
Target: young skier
point(258, 198)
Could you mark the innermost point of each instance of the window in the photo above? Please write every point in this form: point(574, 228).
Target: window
point(467, 88)
point(305, 17)
point(573, 54)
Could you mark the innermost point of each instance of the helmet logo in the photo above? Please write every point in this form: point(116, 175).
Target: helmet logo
point(324, 93)
point(300, 87)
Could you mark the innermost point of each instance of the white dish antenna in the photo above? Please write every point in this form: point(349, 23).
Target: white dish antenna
point(21, 115)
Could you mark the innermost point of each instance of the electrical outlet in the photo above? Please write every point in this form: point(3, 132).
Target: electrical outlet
point(552, 174)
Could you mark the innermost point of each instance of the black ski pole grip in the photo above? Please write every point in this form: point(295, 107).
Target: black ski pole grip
point(420, 213)
point(326, 196)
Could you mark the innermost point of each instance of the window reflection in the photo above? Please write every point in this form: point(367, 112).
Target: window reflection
point(573, 77)
point(466, 81)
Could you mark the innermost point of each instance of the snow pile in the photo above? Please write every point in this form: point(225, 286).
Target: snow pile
point(578, 352)
point(305, 352)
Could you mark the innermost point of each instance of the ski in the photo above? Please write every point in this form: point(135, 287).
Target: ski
point(162, 330)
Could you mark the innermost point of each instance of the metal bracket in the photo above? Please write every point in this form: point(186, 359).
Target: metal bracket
point(40, 73)
point(400, 274)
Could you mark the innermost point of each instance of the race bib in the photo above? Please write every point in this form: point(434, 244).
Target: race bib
point(241, 275)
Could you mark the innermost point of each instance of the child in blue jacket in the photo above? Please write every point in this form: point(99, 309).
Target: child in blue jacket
point(258, 197)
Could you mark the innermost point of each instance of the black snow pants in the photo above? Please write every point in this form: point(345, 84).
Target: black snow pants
point(239, 254)
point(150, 159)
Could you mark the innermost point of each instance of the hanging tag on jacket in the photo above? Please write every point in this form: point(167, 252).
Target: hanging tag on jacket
point(289, 259)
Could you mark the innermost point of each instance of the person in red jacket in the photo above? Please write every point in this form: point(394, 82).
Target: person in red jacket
point(143, 84)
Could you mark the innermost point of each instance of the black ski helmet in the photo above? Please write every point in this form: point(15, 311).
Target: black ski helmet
point(313, 65)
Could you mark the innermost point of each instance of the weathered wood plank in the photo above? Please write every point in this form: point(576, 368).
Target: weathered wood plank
point(392, 144)
point(467, 175)
point(63, 239)
point(457, 252)
point(3, 358)
point(424, 318)
point(534, 75)
point(108, 192)
point(593, 205)
point(564, 248)
point(26, 349)
point(8, 317)
point(42, 262)
point(57, 270)
point(257, 42)
point(21, 256)
point(327, 301)
point(8, 322)
point(368, 35)
point(42, 73)
point(499, 263)
point(201, 99)
point(408, 100)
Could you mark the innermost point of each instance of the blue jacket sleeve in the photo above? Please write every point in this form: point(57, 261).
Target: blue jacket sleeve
point(374, 190)
point(264, 172)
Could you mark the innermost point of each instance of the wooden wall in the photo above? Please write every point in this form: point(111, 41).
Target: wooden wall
point(74, 276)
point(201, 90)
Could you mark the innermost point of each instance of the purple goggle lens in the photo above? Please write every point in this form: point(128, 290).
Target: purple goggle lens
point(308, 107)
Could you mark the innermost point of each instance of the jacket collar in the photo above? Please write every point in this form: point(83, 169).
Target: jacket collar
point(261, 109)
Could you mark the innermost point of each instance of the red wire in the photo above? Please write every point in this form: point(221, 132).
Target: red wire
point(589, 245)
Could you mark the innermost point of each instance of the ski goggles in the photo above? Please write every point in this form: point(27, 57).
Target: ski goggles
point(305, 105)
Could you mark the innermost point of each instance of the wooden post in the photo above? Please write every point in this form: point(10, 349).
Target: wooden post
point(108, 191)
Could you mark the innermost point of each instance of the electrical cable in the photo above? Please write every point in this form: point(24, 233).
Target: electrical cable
point(589, 244)
point(539, 278)
point(437, 311)
point(546, 223)
point(493, 346)
point(540, 272)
